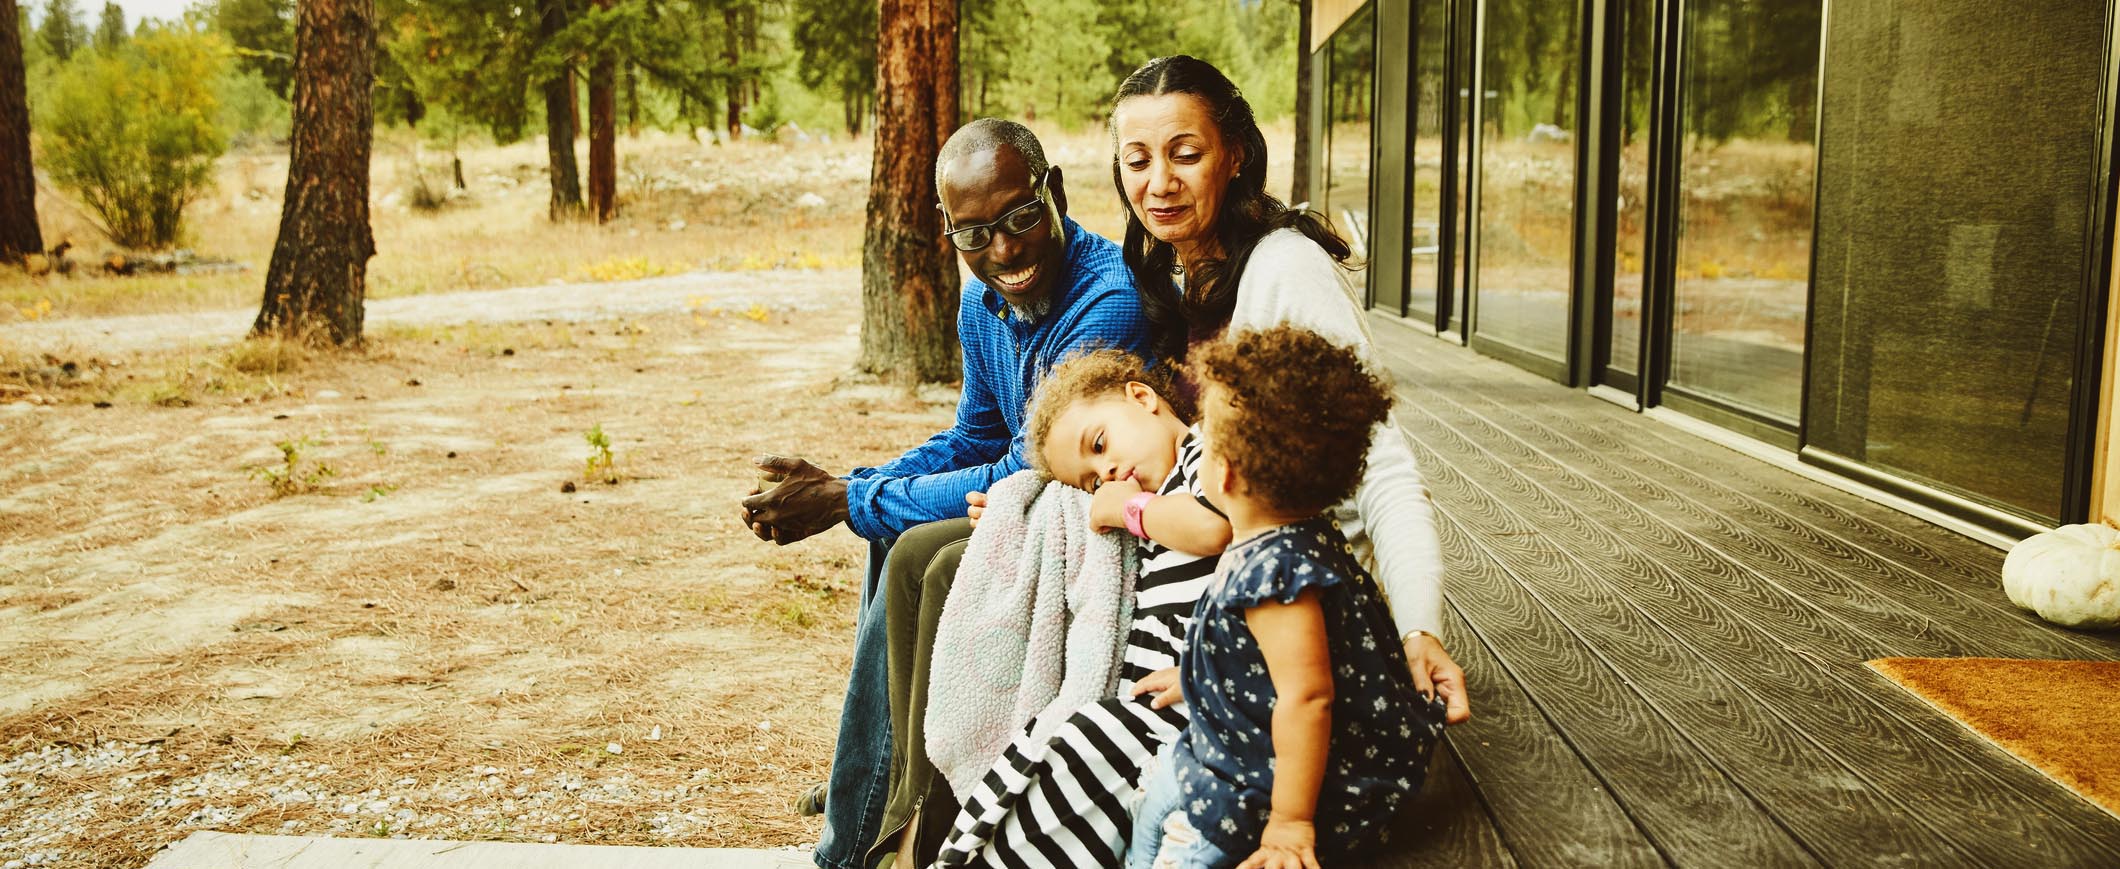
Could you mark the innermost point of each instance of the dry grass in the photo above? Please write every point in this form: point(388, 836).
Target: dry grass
point(683, 206)
point(436, 625)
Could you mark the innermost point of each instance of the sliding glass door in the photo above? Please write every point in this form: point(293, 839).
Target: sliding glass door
point(1744, 177)
point(1867, 232)
point(1957, 200)
point(1527, 120)
point(1429, 93)
point(1350, 108)
point(1631, 104)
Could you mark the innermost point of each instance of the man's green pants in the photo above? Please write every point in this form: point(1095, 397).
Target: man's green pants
point(917, 578)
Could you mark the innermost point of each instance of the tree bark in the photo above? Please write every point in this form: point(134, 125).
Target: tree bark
point(603, 134)
point(19, 234)
point(319, 273)
point(1300, 191)
point(632, 80)
point(731, 53)
point(559, 120)
point(909, 287)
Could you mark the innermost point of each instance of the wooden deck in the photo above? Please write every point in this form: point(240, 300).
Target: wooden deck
point(1665, 644)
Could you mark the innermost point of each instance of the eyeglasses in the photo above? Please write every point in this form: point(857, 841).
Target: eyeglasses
point(1018, 221)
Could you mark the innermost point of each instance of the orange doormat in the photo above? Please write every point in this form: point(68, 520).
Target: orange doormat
point(2061, 717)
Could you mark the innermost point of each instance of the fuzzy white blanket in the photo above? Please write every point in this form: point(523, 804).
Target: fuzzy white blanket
point(1033, 628)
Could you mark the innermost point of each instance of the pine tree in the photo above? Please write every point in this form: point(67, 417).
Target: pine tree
point(319, 273)
point(63, 31)
point(838, 39)
point(110, 28)
point(603, 131)
point(19, 234)
point(263, 33)
point(908, 272)
point(558, 89)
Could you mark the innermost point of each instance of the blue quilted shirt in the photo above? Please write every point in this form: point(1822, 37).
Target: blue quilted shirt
point(1093, 306)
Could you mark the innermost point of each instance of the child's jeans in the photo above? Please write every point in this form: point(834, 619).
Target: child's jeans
point(1164, 837)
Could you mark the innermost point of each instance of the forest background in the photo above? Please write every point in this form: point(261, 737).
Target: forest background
point(719, 69)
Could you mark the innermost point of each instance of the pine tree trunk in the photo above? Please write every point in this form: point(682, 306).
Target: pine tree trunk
point(909, 286)
point(559, 120)
point(730, 54)
point(1300, 191)
point(318, 277)
point(18, 182)
point(603, 134)
point(632, 81)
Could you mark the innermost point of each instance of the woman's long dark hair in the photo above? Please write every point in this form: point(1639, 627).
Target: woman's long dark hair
point(1248, 212)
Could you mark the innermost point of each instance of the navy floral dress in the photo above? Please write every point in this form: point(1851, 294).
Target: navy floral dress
point(1382, 729)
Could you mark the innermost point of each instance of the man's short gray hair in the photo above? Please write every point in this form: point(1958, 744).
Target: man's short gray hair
point(983, 134)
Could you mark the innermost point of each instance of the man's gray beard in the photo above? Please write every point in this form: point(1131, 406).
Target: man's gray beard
point(1033, 312)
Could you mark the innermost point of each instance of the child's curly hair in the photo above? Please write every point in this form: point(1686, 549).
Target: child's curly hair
point(1291, 413)
point(1094, 374)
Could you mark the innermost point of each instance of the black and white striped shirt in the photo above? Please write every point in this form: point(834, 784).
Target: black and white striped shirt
point(1066, 801)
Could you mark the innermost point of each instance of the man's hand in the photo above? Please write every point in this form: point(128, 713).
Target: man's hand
point(977, 500)
point(1107, 508)
point(1168, 687)
point(1435, 673)
point(807, 500)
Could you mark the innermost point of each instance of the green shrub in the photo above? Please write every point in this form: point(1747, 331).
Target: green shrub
point(134, 131)
point(250, 110)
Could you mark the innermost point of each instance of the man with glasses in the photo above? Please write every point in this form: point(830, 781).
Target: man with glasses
point(1043, 289)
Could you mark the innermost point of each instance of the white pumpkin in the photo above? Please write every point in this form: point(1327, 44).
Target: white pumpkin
point(2069, 576)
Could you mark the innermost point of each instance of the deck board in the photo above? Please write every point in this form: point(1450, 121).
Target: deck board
point(1448, 826)
point(1548, 807)
point(1687, 806)
point(1942, 589)
point(1672, 612)
point(1834, 812)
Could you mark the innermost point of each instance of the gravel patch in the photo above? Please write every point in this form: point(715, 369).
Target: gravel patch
point(53, 794)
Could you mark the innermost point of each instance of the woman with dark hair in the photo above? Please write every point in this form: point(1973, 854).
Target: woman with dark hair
point(1209, 249)
point(1212, 250)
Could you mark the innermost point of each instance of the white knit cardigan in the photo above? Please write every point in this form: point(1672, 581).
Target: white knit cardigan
point(1389, 521)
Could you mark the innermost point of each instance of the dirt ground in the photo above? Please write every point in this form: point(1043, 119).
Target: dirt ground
point(438, 639)
point(200, 628)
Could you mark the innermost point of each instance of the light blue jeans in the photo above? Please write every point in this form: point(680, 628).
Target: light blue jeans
point(861, 762)
point(1164, 837)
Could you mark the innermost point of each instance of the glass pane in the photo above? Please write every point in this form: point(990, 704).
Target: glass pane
point(1350, 96)
point(1960, 143)
point(1425, 236)
point(1461, 254)
point(1631, 194)
point(1744, 201)
point(1527, 173)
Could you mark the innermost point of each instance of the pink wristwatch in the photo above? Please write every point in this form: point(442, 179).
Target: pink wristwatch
point(1134, 506)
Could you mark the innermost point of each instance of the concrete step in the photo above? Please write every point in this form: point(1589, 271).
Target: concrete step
point(208, 850)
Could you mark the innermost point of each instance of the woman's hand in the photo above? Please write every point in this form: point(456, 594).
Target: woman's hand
point(1286, 844)
point(1168, 688)
point(978, 508)
point(1434, 673)
point(1107, 508)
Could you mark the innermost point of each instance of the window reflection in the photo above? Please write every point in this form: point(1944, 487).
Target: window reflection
point(1631, 193)
point(1744, 201)
point(1351, 96)
point(1959, 169)
point(1425, 236)
point(1527, 173)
